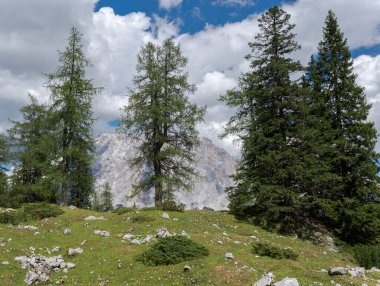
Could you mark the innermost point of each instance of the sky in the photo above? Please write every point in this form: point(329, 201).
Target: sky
point(213, 35)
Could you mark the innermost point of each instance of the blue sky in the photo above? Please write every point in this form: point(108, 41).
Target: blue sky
point(193, 14)
point(216, 54)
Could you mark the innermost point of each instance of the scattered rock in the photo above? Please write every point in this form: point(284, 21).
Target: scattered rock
point(91, 217)
point(229, 256)
point(66, 231)
point(186, 269)
point(338, 271)
point(165, 216)
point(55, 249)
point(72, 207)
point(102, 233)
point(128, 236)
point(28, 227)
point(184, 233)
point(374, 270)
point(357, 272)
point(72, 251)
point(40, 267)
point(287, 282)
point(266, 280)
point(5, 263)
point(83, 242)
point(163, 232)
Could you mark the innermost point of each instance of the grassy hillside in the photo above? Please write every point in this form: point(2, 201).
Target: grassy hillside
point(111, 261)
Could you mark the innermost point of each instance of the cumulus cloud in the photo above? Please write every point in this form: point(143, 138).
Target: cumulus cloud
point(168, 4)
point(216, 53)
point(228, 3)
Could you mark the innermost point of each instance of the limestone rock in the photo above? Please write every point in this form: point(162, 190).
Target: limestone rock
point(163, 232)
point(66, 231)
point(229, 256)
point(72, 251)
point(102, 233)
point(287, 282)
point(338, 271)
point(186, 269)
point(266, 280)
point(91, 217)
point(165, 216)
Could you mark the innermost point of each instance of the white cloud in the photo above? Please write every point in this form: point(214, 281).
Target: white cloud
point(216, 54)
point(168, 4)
point(227, 3)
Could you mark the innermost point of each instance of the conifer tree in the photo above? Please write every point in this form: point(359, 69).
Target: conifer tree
point(4, 160)
point(71, 102)
point(271, 123)
point(30, 140)
point(160, 114)
point(106, 198)
point(348, 139)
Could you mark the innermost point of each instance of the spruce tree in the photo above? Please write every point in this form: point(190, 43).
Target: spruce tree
point(71, 102)
point(31, 144)
point(271, 122)
point(106, 198)
point(348, 139)
point(161, 116)
point(4, 160)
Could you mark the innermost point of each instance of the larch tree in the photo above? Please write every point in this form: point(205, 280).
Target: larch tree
point(161, 116)
point(31, 153)
point(71, 106)
point(351, 181)
point(271, 122)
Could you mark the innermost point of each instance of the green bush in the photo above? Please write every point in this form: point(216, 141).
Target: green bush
point(39, 211)
point(171, 205)
point(9, 217)
point(141, 219)
point(367, 256)
point(121, 211)
point(265, 249)
point(172, 250)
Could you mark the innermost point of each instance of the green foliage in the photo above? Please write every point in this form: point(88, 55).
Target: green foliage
point(265, 249)
point(271, 123)
point(160, 114)
point(71, 109)
point(171, 205)
point(38, 211)
point(346, 141)
point(367, 256)
point(4, 159)
point(141, 219)
point(106, 198)
point(31, 155)
point(121, 211)
point(35, 211)
point(172, 250)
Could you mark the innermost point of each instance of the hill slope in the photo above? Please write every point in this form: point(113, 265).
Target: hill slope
point(110, 260)
point(213, 164)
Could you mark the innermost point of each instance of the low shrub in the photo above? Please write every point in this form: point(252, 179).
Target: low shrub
point(121, 211)
point(172, 250)
point(171, 205)
point(141, 219)
point(367, 256)
point(28, 212)
point(39, 211)
point(9, 217)
point(265, 249)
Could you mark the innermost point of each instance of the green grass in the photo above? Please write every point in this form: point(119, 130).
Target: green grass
point(112, 261)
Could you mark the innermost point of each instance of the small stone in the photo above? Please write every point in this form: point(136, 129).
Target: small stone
point(5, 263)
point(102, 233)
point(83, 242)
point(72, 207)
point(165, 216)
point(338, 271)
point(163, 232)
point(91, 217)
point(72, 251)
point(66, 231)
point(266, 280)
point(287, 282)
point(56, 249)
point(184, 233)
point(128, 236)
point(186, 269)
point(229, 256)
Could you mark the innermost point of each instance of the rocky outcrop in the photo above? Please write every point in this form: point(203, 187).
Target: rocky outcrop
point(213, 164)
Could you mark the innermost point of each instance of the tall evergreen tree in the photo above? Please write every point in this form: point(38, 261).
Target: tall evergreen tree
point(30, 141)
point(160, 114)
point(348, 138)
point(271, 123)
point(4, 160)
point(106, 198)
point(71, 97)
